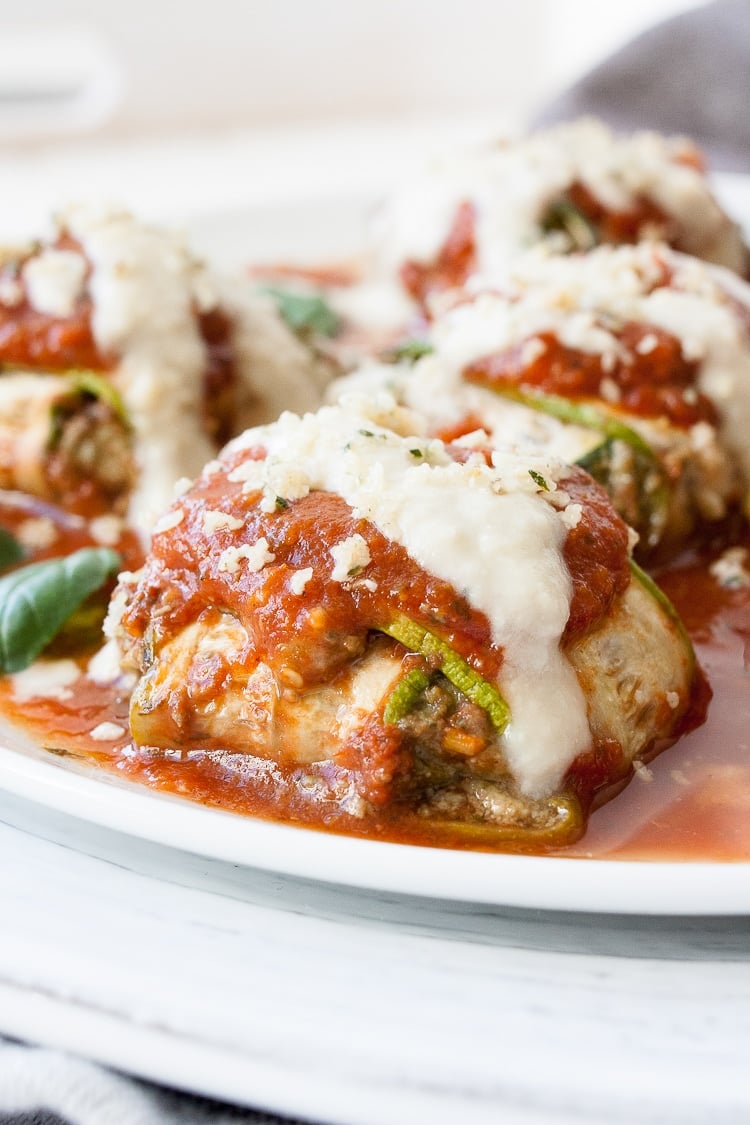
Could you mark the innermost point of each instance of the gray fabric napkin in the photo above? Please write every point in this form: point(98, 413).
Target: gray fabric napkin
point(688, 75)
point(44, 1087)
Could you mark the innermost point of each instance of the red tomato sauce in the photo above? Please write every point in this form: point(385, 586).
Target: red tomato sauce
point(659, 382)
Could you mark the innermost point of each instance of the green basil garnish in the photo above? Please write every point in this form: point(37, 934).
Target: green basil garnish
point(304, 312)
point(11, 550)
point(37, 600)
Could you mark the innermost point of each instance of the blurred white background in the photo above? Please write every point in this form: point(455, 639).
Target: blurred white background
point(236, 100)
point(149, 65)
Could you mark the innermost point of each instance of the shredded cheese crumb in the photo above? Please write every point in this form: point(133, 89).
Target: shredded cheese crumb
point(106, 530)
point(36, 533)
point(168, 521)
point(571, 515)
point(299, 580)
point(181, 486)
point(673, 700)
point(210, 468)
point(256, 557)
point(220, 521)
point(349, 557)
point(731, 569)
point(646, 345)
point(107, 732)
point(642, 771)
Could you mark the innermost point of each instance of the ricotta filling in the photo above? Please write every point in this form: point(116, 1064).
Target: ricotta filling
point(486, 530)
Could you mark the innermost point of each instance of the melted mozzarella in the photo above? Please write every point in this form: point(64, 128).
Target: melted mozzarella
point(485, 530)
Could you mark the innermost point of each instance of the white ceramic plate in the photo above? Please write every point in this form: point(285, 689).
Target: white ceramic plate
point(502, 880)
point(331, 229)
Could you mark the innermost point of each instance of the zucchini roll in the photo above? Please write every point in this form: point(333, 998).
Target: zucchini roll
point(633, 361)
point(194, 358)
point(367, 628)
point(65, 439)
point(572, 187)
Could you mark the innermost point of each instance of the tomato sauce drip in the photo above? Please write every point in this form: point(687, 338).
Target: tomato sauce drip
point(658, 382)
point(454, 263)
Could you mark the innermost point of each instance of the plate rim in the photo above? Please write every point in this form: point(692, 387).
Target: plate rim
point(501, 880)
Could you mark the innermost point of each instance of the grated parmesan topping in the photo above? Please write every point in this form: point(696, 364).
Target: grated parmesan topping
point(107, 732)
point(299, 580)
point(496, 513)
point(256, 557)
point(169, 521)
point(350, 557)
point(220, 521)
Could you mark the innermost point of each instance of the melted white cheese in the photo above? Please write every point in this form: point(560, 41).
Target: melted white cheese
point(488, 531)
point(144, 287)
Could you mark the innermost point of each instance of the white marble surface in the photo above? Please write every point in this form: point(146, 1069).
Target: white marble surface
point(361, 1007)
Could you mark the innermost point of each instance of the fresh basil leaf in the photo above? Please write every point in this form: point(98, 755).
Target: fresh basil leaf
point(11, 550)
point(37, 600)
point(304, 312)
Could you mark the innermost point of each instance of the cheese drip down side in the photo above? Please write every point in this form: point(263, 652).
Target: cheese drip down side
point(486, 530)
point(144, 288)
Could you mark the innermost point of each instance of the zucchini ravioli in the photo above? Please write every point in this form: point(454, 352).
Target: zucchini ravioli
point(145, 364)
point(572, 187)
point(633, 361)
point(369, 630)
